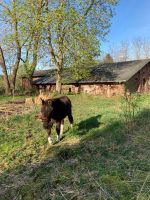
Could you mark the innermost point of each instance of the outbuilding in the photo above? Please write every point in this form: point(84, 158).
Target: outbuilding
point(104, 79)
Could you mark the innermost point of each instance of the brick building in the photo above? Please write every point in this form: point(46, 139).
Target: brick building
point(105, 79)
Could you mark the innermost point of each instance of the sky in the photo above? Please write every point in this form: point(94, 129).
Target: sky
point(131, 20)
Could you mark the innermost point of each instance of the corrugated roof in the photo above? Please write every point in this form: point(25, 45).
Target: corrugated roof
point(110, 72)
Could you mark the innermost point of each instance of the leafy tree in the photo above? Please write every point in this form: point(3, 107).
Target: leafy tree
point(12, 38)
point(22, 21)
point(80, 57)
point(71, 29)
point(73, 25)
point(33, 13)
point(4, 70)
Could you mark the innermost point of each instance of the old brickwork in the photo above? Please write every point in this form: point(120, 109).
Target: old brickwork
point(109, 80)
point(95, 89)
point(140, 82)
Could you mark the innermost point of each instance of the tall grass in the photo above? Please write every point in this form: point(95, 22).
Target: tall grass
point(97, 159)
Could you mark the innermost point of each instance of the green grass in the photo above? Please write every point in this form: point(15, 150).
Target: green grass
point(97, 159)
point(5, 99)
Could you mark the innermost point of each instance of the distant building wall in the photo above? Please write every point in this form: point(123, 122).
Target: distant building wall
point(140, 82)
point(95, 89)
point(107, 89)
point(26, 84)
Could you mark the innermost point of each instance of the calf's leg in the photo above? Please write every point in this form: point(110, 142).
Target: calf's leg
point(70, 117)
point(49, 133)
point(58, 130)
point(49, 136)
point(62, 127)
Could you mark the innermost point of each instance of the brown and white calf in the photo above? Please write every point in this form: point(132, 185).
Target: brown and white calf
point(54, 111)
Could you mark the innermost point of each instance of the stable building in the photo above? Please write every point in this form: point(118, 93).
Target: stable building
point(104, 79)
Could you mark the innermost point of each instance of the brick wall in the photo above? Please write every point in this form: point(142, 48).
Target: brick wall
point(26, 84)
point(140, 82)
point(95, 89)
point(103, 89)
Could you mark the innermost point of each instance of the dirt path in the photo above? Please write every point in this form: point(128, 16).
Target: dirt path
point(13, 108)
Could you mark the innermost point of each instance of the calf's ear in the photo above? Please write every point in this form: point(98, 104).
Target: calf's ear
point(43, 102)
point(49, 102)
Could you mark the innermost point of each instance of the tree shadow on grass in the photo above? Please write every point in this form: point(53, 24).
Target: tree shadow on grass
point(88, 124)
point(105, 153)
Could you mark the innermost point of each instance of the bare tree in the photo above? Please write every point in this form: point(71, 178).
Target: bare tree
point(119, 52)
point(114, 51)
point(137, 44)
point(124, 51)
point(146, 48)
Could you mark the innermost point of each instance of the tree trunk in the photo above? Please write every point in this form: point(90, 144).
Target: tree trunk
point(15, 70)
point(18, 46)
point(4, 70)
point(58, 81)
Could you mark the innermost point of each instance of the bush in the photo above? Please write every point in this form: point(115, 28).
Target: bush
point(130, 108)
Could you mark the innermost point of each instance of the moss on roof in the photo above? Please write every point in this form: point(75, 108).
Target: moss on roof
point(109, 72)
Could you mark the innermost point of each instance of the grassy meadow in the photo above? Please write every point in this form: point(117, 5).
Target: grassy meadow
point(106, 156)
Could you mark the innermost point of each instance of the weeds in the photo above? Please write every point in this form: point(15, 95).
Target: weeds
point(95, 160)
point(130, 107)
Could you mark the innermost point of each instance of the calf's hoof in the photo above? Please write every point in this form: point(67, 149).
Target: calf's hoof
point(50, 141)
